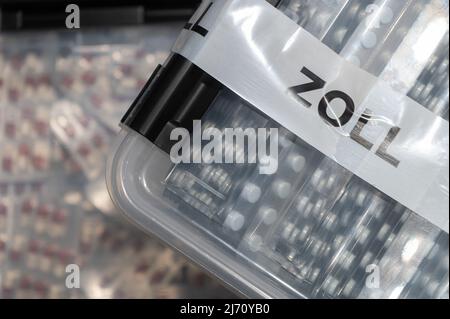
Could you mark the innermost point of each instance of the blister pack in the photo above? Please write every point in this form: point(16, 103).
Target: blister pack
point(42, 241)
point(26, 140)
point(298, 148)
point(54, 204)
point(103, 70)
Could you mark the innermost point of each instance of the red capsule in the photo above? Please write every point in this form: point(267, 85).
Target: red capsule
point(98, 140)
point(59, 216)
point(17, 62)
point(69, 130)
point(44, 80)
point(3, 210)
point(84, 150)
point(24, 150)
point(7, 292)
point(13, 95)
point(40, 287)
point(43, 211)
point(25, 282)
point(7, 164)
point(67, 81)
point(39, 162)
point(15, 255)
point(10, 130)
point(142, 267)
point(65, 257)
point(85, 121)
point(49, 252)
point(96, 101)
point(158, 277)
point(27, 207)
point(34, 246)
point(88, 78)
point(31, 81)
point(41, 127)
point(126, 69)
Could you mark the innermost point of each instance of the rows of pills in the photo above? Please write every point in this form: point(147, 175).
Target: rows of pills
point(431, 278)
point(369, 32)
point(25, 105)
point(106, 77)
point(86, 141)
point(61, 98)
point(40, 243)
point(321, 228)
point(431, 88)
point(331, 284)
point(206, 186)
point(26, 69)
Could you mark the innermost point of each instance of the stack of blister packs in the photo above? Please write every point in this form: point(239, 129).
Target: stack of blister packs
point(358, 94)
point(61, 97)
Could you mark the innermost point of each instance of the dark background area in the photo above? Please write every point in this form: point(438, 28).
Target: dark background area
point(35, 14)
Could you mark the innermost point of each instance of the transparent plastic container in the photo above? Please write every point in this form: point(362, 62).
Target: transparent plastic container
point(313, 229)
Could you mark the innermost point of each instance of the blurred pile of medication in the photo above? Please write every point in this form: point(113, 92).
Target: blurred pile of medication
point(61, 97)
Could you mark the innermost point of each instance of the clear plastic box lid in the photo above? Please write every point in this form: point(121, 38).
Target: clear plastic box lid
point(312, 229)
